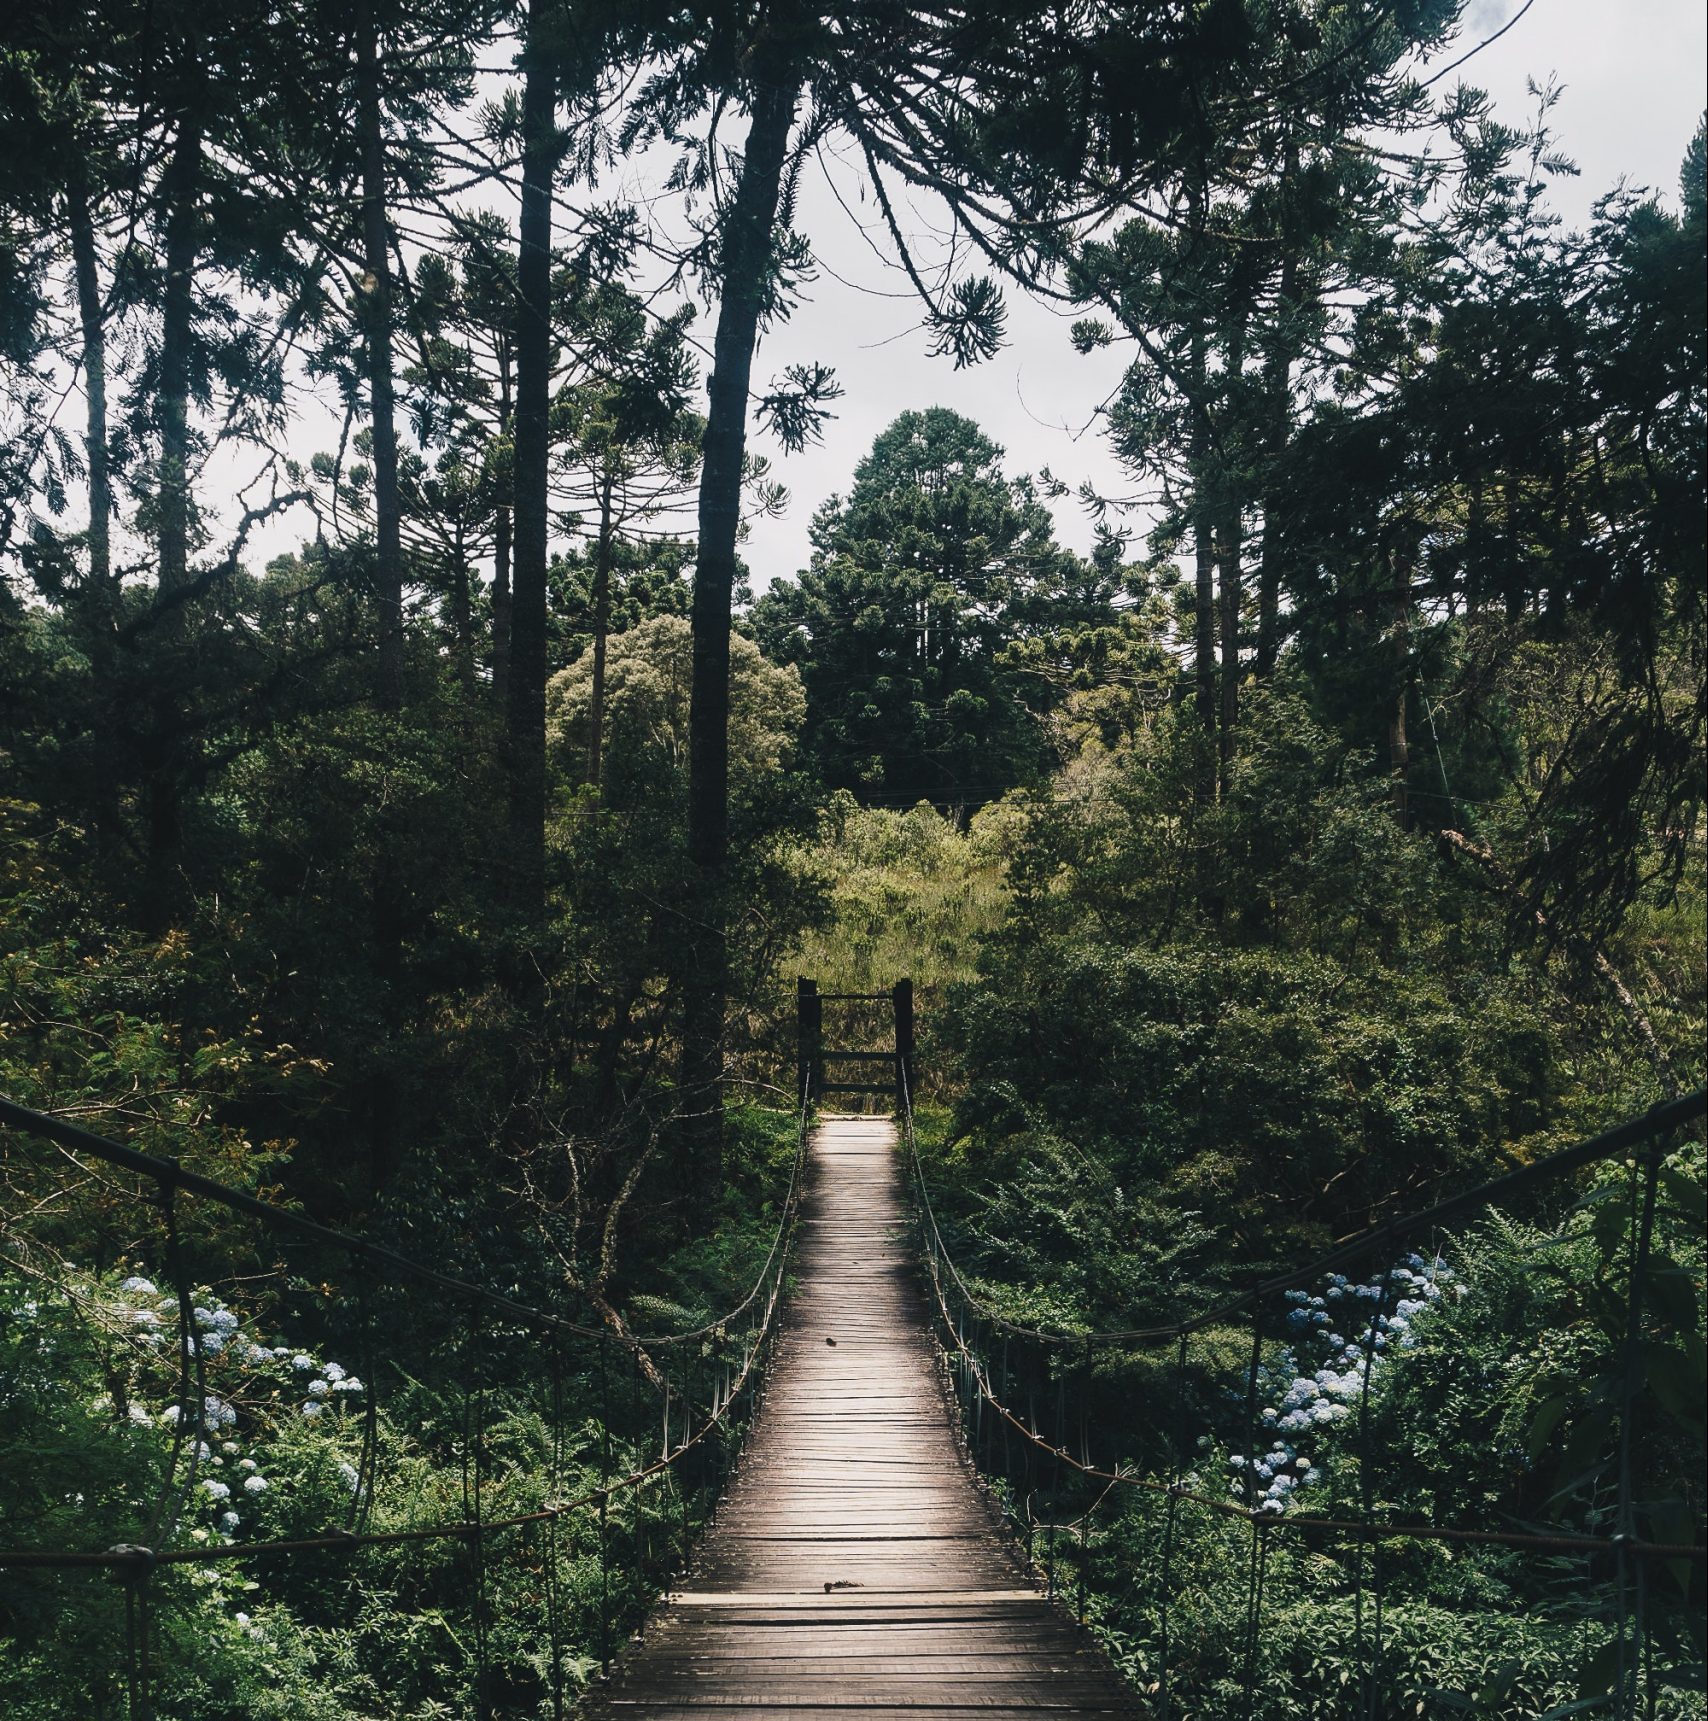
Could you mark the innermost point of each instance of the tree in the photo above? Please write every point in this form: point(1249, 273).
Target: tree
point(942, 102)
point(645, 710)
point(628, 450)
point(1235, 295)
point(183, 239)
point(1517, 479)
point(526, 719)
point(622, 849)
point(923, 583)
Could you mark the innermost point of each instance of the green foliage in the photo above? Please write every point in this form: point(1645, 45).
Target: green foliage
point(1212, 1038)
point(648, 676)
point(911, 893)
point(906, 894)
point(1277, 1013)
point(1229, 962)
point(924, 582)
point(89, 1405)
point(1466, 1428)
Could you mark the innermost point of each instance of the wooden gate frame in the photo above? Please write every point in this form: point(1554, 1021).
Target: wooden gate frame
point(813, 1054)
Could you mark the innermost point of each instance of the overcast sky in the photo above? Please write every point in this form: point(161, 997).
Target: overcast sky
point(1633, 73)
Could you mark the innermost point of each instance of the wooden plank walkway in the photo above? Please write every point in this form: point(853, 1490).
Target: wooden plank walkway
point(853, 1565)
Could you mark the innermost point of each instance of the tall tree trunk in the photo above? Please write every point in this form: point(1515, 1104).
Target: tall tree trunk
point(501, 540)
point(182, 186)
point(385, 1100)
point(1516, 589)
point(462, 616)
point(1278, 399)
point(1230, 508)
point(601, 629)
point(1399, 748)
point(1204, 563)
point(1278, 391)
point(1232, 597)
point(165, 746)
point(501, 610)
point(747, 243)
point(91, 315)
point(1269, 566)
point(377, 333)
point(526, 727)
point(1472, 582)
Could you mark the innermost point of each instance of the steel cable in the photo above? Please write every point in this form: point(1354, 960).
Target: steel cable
point(134, 1558)
point(1659, 1121)
point(167, 1173)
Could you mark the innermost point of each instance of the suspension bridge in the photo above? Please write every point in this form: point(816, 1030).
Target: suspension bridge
point(912, 1491)
point(854, 1565)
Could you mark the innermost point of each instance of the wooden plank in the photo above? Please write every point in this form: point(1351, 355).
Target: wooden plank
point(853, 1568)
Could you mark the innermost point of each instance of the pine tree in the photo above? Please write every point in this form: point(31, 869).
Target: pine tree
point(924, 582)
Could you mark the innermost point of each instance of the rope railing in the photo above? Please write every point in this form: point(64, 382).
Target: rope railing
point(717, 1373)
point(999, 1367)
point(169, 1174)
point(1658, 1123)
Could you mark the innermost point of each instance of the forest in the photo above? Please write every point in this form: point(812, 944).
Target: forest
point(1321, 841)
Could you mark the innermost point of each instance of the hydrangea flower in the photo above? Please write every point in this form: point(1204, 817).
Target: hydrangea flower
point(255, 1484)
point(1327, 1371)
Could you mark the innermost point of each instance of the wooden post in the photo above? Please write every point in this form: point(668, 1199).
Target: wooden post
point(903, 996)
point(809, 1038)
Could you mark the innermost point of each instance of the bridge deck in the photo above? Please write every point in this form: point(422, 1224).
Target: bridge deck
point(853, 1566)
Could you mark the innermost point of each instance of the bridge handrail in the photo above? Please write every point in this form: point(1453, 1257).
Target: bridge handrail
point(1658, 1121)
point(168, 1173)
point(779, 1240)
point(202, 1555)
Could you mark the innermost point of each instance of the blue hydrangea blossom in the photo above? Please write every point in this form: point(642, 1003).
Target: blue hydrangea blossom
point(1317, 1377)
